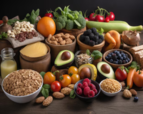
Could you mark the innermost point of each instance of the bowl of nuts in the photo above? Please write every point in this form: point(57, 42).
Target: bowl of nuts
point(60, 42)
point(22, 86)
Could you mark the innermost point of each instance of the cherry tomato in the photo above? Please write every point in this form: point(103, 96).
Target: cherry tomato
point(72, 70)
point(111, 16)
point(49, 78)
point(121, 74)
point(49, 15)
point(107, 19)
point(56, 86)
point(1, 21)
point(86, 19)
point(100, 18)
point(65, 80)
point(75, 78)
point(92, 17)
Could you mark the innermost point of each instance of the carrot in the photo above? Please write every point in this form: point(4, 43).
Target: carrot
point(130, 77)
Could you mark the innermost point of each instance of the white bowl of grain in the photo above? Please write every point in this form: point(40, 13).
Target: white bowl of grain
point(110, 87)
point(22, 86)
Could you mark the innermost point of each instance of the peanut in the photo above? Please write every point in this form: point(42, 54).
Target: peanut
point(72, 37)
point(57, 35)
point(48, 101)
point(63, 42)
point(53, 38)
point(134, 92)
point(40, 99)
point(71, 86)
point(54, 42)
point(58, 95)
point(49, 37)
point(60, 39)
point(66, 90)
point(68, 41)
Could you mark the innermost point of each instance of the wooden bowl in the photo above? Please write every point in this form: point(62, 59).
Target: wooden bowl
point(115, 66)
point(83, 46)
point(33, 59)
point(74, 32)
point(55, 49)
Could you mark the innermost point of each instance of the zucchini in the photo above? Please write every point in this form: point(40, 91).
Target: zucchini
point(117, 22)
point(120, 27)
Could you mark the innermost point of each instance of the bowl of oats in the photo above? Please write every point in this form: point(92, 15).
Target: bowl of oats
point(110, 87)
point(22, 86)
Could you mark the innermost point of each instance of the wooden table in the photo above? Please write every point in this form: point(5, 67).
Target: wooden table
point(101, 105)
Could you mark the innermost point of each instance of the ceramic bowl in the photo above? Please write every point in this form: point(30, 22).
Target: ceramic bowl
point(107, 93)
point(87, 99)
point(22, 99)
point(83, 46)
point(115, 66)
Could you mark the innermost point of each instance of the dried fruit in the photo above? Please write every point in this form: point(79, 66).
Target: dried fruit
point(134, 92)
point(40, 99)
point(127, 93)
point(66, 90)
point(71, 86)
point(48, 101)
point(123, 84)
point(58, 95)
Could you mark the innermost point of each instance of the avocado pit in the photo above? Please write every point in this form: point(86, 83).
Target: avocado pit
point(85, 73)
point(66, 55)
point(105, 68)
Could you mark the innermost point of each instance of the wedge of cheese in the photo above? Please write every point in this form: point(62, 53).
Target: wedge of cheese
point(37, 49)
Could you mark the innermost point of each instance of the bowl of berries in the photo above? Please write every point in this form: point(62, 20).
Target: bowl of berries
point(117, 58)
point(87, 89)
point(91, 40)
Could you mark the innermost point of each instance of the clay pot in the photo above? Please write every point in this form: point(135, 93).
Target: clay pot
point(83, 46)
point(115, 66)
point(55, 49)
point(39, 66)
point(74, 32)
point(95, 62)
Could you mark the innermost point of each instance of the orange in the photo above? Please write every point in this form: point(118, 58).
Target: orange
point(46, 26)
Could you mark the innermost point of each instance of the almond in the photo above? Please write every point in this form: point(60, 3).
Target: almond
point(48, 101)
point(58, 95)
point(134, 92)
point(66, 90)
point(40, 99)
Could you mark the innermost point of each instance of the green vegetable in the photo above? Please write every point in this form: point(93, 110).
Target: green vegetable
point(32, 18)
point(133, 65)
point(42, 74)
point(82, 21)
point(120, 27)
point(118, 22)
point(45, 92)
point(95, 54)
point(101, 31)
point(46, 86)
point(72, 94)
point(69, 25)
point(12, 21)
point(3, 35)
point(61, 22)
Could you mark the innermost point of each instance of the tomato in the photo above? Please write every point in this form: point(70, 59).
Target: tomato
point(46, 26)
point(49, 78)
point(107, 19)
point(72, 70)
point(75, 78)
point(121, 74)
point(1, 21)
point(138, 79)
point(111, 16)
point(92, 17)
point(65, 80)
point(56, 86)
point(49, 15)
point(100, 18)
point(86, 19)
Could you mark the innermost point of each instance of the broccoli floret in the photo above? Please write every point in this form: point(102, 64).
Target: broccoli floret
point(61, 22)
point(82, 21)
point(70, 24)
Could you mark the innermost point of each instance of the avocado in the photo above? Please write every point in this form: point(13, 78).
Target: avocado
point(64, 59)
point(102, 75)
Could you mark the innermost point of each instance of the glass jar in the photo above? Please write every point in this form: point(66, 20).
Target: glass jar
point(83, 59)
point(8, 63)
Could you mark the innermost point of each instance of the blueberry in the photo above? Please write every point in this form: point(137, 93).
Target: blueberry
point(96, 38)
point(99, 41)
point(124, 57)
point(94, 31)
point(101, 37)
point(96, 43)
point(136, 99)
point(87, 39)
point(82, 38)
point(126, 61)
point(115, 62)
point(121, 58)
point(91, 43)
point(107, 58)
point(111, 60)
point(120, 61)
point(91, 35)
point(123, 61)
point(88, 32)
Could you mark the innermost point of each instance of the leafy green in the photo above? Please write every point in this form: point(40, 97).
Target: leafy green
point(42, 74)
point(101, 31)
point(46, 86)
point(12, 21)
point(81, 21)
point(3, 35)
point(45, 92)
point(95, 54)
point(135, 65)
point(88, 52)
point(61, 22)
point(70, 24)
point(72, 94)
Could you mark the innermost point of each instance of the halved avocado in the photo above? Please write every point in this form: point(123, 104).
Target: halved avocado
point(92, 69)
point(61, 63)
point(103, 75)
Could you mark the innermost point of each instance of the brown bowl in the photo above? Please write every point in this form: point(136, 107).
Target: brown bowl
point(83, 46)
point(55, 49)
point(115, 66)
point(74, 32)
point(32, 59)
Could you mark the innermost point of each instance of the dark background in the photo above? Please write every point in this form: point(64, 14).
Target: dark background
point(127, 10)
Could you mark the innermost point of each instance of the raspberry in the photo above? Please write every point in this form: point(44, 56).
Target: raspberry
point(91, 93)
point(95, 91)
point(85, 84)
point(92, 86)
point(86, 91)
point(79, 85)
point(87, 80)
point(79, 91)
